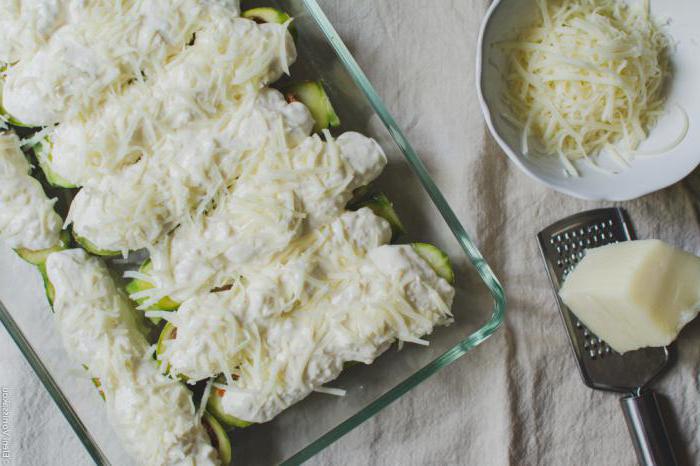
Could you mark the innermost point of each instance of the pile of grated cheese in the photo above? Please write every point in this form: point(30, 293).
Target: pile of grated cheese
point(588, 76)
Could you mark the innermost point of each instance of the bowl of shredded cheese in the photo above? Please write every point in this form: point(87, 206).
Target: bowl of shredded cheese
point(594, 98)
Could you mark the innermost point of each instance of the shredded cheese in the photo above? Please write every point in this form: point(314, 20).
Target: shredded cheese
point(153, 414)
point(27, 216)
point(106, 47)
point(289, 325)
point(589, 75)
point(179, 147)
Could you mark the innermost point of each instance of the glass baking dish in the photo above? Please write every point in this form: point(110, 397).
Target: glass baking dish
point(310, 426)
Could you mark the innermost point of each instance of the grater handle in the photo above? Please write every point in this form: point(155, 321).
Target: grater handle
point(646, 426)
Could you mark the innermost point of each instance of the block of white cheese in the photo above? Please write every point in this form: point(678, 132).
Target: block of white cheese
point(635, 293)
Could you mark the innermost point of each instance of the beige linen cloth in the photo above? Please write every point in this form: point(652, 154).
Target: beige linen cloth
point(517, 399)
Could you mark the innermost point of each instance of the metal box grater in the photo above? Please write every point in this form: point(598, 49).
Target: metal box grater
point(563, 245)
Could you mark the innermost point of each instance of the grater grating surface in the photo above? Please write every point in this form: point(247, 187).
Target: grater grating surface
point(563, 244)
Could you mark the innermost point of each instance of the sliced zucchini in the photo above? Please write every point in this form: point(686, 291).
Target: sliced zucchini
point(215, 408)
point(383, 207)
point(313, 95)
point(42, 152)
point(219, 438)
point(266, 15)
point(48, 286)
point(39, 257)
point(4, 113)
point(169, 332)
point(90, 247)
point(136, 285)
point(11, 120)
point(437, 259)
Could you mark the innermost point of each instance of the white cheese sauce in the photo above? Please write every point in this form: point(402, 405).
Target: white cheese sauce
point(134, 207)
point(152, 413)
point(200, 92)
point(27, 217)
point(213, 326)
point(286, 328)
point(357, 321)
point(112, 44)
point(278, 196)
point(180, 148)
point(26, 25)
point(144, 175)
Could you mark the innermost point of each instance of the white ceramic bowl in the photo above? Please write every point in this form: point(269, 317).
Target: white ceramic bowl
point(645, 175)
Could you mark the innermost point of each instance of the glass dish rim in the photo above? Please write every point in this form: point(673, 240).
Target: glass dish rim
point(472, 252)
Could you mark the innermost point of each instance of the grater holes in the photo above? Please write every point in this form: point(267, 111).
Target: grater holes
point(593, 346)
point(570, 246)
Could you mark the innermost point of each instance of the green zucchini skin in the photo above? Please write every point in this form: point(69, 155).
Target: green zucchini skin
point(215, 408)
point(219, 438)
point(136, 285)
point(270, 15)
point(266, 15)
point(380, 204)
point(438, 260)
point(4, 113)
point(11, 120)
point(48, 286)
point(42, 153)
point(169, 332)
point(90, 247)
point(39, 257)
point(314, 96)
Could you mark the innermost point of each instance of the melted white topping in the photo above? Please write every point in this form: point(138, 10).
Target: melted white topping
point(212, 326)
point(201, 95)
point(152, 413)
point(26, 25)
point(27, 218)
point(288, 326)
point(160, 153)
point(181, 149)
point(112, 44)
point(279, 195)
point(192, 167)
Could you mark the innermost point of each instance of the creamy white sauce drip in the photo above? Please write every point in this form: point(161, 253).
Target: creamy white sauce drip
point(152, 413)
point(27, 217)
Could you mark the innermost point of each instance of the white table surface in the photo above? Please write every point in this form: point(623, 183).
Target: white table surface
point(516, 400)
